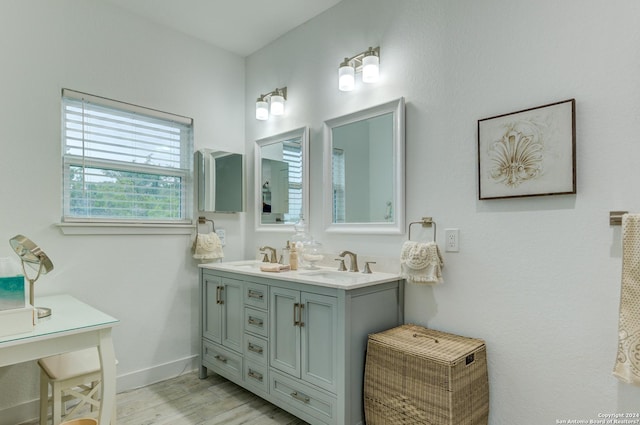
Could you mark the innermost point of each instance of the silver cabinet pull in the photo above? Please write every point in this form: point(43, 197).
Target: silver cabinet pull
point(300, 312)
point(299, 396)
point(255, 375)
point(255, 348)
point(220, 358)
point(295, 314)
point(219, 299)
point(255, 322)
point(255, 294)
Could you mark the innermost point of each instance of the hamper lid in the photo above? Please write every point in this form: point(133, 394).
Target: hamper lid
point(428, 343)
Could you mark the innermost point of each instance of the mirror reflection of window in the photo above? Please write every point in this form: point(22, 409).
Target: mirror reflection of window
point(292, 155)
point(339, 196)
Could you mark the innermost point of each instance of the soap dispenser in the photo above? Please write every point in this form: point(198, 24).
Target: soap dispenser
point(286, 252)
point(293, 258)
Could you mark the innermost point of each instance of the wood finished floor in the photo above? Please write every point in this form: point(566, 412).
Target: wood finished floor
point(188, 400)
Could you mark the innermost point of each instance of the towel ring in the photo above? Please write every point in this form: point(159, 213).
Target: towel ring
point(425, 222)
point(203, 220)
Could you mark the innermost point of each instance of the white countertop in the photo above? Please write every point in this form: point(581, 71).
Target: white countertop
point(320, 276)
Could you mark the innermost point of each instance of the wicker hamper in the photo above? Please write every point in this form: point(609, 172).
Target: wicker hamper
point(415, 375)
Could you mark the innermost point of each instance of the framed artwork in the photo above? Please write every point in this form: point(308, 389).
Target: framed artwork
point(528, 153)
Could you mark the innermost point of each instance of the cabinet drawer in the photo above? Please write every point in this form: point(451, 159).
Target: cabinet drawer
point(303, 397)
point(222, 361)
point(256, 349)
point(256, 295)
point(256, 321)
point(256, 376)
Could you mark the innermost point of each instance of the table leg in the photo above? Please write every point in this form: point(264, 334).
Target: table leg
point(108, 389)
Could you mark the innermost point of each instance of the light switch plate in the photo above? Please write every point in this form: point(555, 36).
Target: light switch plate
point(222, 235)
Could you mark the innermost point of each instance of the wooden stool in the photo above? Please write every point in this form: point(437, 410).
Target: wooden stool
point(75, 375)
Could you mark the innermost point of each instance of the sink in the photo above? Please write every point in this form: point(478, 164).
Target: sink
point(336, 276)
point(251, 264)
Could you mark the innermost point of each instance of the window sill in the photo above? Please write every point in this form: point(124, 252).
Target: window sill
point(125, 229)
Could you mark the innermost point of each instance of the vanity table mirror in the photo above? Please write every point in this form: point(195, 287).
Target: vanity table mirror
point(281, 180)
point(220, 181)
point(364, 185)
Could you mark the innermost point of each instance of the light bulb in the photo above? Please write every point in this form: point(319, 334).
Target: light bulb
point(370, 68)
point(346, 76)
point(277, 104)
point(262, 109)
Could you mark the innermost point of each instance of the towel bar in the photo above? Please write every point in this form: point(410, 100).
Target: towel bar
point(425, 222)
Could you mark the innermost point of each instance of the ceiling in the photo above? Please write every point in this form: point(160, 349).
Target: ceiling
point(240, 26)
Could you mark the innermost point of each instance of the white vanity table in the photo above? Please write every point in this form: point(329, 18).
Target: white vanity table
point(73, 325)
point(296, 338)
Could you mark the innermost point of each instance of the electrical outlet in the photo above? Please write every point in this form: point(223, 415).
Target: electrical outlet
point(222, 235)
point(452, 237)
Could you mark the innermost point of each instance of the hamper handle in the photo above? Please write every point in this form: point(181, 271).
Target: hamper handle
point(415, 335)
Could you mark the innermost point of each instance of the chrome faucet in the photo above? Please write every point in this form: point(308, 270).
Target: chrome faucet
point(353, 264)
point(274, 256)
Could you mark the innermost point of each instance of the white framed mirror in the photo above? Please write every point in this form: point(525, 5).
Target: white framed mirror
point(282, 180)
point(364, 176)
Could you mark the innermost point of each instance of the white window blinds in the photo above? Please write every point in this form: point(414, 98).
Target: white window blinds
point(292, 155)
point(339, 185)
point(124, 162)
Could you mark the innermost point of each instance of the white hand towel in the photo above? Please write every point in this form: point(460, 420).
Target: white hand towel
point(274, 267)
point(207, 246)
point(421, 262)
point(627, 367)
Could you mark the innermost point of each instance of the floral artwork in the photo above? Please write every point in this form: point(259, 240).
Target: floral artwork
point(528, 153)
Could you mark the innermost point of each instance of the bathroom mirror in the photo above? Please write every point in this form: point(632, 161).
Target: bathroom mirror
point(220, 181)
point(281, 180)
point(364, 171)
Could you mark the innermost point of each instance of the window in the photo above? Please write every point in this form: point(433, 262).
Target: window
point(124, 163)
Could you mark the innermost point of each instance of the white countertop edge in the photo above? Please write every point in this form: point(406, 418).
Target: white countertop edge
point(305, 275)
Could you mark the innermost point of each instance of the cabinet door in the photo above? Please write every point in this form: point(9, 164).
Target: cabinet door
point(284, 337)
point(232, 296)
point(211, 308)
point(319, 338)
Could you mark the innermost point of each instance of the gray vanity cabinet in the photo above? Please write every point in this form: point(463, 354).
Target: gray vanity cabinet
point(298, 345)
point(303, 336)
point(222, 320)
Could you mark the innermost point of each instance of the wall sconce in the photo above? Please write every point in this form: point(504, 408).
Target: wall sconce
point(276, 98)
point(367, 62)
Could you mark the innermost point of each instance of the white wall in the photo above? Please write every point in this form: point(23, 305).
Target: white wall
point(537, 278)
point(148, 282)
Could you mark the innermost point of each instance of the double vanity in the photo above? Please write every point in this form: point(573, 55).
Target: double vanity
point(296, 338)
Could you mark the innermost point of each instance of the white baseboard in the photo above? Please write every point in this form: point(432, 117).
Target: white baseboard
point(162, 372)
point(29, 410)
